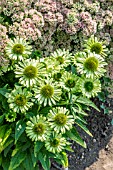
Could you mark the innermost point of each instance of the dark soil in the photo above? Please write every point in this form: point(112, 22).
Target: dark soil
point(100, 126)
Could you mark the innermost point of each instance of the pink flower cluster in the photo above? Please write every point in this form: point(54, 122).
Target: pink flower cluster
point(3, 41)
point(28, 25)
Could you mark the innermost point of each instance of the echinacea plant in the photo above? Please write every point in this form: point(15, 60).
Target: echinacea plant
point(44, 101)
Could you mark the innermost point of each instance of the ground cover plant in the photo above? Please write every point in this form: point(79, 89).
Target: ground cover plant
point(52, 58)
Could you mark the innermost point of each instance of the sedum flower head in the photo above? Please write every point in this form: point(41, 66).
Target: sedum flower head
point(29, 71)
point(56, 143)
point(47, 93)
point(37, 128)
point(62, 57)
point(89, 87)
point(17, 49)
point(10, 116)
point(18, 99)
point(91, 65)
point(60, 120)
point(96, 46)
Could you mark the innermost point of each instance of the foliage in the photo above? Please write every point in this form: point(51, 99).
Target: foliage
point(46, 91)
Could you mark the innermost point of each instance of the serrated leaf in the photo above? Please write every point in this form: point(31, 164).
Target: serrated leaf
point(37, 146)
point(79, 123)
point(17, 159)
point(87, 102)
point(19, 129)
point(73, 134)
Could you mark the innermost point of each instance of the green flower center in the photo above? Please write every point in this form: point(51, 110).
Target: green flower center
point(47, 91)
point(70, 83)
point(57, 76)
point(39, 128)
point(60, 119)
point(20, 100)
point(88, 86)
point(60, 59)
point(97, 48)
point(30, 72)
point(55, 142)
point(18, 49)
point(91, 64)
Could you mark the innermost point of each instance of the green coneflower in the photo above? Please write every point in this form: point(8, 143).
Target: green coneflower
point(18, 99)
point(62, 57)
point(51, 65)
point(60, 120)
point(18, 48)
point(10, 116)
point(29, 72)
point(56, 143)
point(90, 87)
point(37, 128)
point(91, 65)
point(69, 81)
point(47, 93)
point(96, 46)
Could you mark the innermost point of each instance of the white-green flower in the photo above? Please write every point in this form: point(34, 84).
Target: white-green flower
point(56, 143)
point(37, 128)
point(51, 65)
point(29, 72)
point(62, 57)
point(60, 120)
point(89, 87)
point(19, 99)
point(96, 46)
point(69, 81)
point(47, 93)
point(10, 116)
point(91, 65)
point(18, 48)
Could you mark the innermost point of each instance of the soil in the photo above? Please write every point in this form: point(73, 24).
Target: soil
point(99, 152)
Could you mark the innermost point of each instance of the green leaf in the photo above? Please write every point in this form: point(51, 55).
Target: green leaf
point(1, 118)
point(17, 159)
point(4, 90)
point(43, 161)
point(27, 163)
point(68, 148)
point(22, 147)
point(19, 129)
point(65, 159)
point(87, 102)
point(79, 111)
point(5, 132)
point(37, 146)
point(0, 159)
point(33, 158)
point(73, 134)
point(5, 163)
point(79, 123)
point(8, 148)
